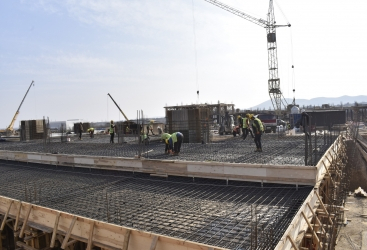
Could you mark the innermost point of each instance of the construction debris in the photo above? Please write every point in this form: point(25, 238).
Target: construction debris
point(359, 192)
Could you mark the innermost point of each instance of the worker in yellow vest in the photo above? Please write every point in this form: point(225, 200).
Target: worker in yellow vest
point(91, 132)
point(175, 142)
point(246, 127)
point(165, 137)
point(112, 132)
point(258, 129)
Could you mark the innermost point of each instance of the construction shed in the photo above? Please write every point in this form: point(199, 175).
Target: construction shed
point(32, 130)
point(195, 121)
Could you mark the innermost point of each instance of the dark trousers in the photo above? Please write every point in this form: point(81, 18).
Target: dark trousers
point(257, 141)
point(177, 145)
point(245, 132)
point(111, 138)
point(80, 134)
point(167, 148)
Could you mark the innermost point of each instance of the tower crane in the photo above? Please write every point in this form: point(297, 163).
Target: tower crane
point(270, 25)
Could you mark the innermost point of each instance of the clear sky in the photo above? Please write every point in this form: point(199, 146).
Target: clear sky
point(149, 54)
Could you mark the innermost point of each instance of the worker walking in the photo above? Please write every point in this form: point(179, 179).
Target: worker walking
point(91, 132)
point(165, 137)
point(258, 129)
point(246, 127)
point(112, 132)
point(80, 130)
point(175, 142)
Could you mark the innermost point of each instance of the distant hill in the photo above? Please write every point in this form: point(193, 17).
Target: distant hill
point(318, 101)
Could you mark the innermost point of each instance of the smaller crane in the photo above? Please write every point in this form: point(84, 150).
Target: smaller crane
point(119, 109)
point(10, 128)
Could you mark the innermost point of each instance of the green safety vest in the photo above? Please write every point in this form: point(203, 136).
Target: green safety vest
point(174, 137)
point(165, 136)
point(260, 124)
point(143, 137)
point(112, 129)
point(244, 123)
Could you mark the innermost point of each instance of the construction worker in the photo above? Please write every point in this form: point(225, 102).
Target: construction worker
point(91, 132)
point(240, 124)
point(80, 130)
point(144, 138)
point(258, 129)
point(246, 126)
point(175, 142)
point(150, 127)
point(165, 137)
point(127, 130)
point(112, 132)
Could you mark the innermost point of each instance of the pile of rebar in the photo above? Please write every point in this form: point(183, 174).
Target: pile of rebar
point(239, 215)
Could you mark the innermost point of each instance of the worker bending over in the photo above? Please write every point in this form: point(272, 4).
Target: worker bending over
point(246, 126)
point(165, 137)
point(258, 128)
point(175, 142)
point(91, 132)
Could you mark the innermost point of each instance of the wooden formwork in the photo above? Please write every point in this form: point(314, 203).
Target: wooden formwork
point(28, 221)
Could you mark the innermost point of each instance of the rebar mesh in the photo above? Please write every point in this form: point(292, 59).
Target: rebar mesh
point(278, 149)
point(234, 216)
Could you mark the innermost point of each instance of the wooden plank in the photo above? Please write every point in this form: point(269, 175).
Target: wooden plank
point(25, 246)
point(55, 230)
point(67, 236)
point(311, 229)
point(90, 238)
point(5, 216)
point(323, 207)
point(154, 243)
point(71, 242)
point(17, 218)
point(25, 221)
point(292, 242)
point(317, 218)
point(125, 246)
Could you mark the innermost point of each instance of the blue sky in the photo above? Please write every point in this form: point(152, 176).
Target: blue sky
point(143, 54)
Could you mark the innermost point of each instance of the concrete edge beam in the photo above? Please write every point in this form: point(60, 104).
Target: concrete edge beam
point(286, 174)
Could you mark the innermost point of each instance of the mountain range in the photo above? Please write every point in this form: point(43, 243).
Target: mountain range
point(345, 101)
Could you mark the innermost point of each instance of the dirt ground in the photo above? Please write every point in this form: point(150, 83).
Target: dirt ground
point(354, 232)
point(350, 236)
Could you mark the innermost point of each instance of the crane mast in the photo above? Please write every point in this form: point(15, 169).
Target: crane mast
point(274, 90)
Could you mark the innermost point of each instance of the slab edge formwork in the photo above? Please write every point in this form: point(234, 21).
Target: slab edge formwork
point(304, 220)
point(92, 232)
point(284, 174)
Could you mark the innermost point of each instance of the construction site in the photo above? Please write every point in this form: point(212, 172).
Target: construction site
point(110, 186)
